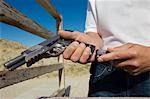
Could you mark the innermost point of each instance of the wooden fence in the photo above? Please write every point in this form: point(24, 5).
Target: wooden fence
point(11, 16)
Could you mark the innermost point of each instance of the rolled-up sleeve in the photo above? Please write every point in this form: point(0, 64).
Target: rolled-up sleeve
point(90, 23)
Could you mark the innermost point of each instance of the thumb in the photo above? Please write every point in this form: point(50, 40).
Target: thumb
point(68, 34)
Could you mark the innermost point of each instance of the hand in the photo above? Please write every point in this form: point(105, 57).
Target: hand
point(79, 52)
point(133, 58)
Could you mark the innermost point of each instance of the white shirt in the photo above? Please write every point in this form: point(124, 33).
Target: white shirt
point(119, 21)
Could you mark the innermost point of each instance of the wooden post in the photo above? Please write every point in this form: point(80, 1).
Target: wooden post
point(59, 25)
point(61, 73)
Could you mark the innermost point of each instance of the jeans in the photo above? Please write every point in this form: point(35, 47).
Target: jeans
point(108, 81)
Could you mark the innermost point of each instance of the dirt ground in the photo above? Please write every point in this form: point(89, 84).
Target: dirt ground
point(35, 88)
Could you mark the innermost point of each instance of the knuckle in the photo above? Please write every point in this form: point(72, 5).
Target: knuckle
point(86, 52)
point(82, 45)
point(72, 46)
point(79, 51)
point(75, 43)
point(134, 53)
point(80, 48)
point(135, 63)
point(117, 56)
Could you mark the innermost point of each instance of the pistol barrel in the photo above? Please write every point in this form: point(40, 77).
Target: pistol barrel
point(16, 62)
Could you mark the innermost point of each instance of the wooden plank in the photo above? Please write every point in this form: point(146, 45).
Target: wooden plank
point(8, 78)
point(61, 73)
point(59, 93)
point(62, 92)
point(11, 16)
point(50, 8)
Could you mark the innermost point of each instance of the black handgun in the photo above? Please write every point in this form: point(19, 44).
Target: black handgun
point(48, 48)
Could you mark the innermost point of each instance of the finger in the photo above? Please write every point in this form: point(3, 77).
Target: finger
point(128, 66)
point(122, 47)
point(117, 55)
point(68, 35)
point(85, 55)
point(92, 59)
point(110, 49)
point(78, 52)
point(70, 49)
point(116, 62)
point(131, 67)
point(140, 70)
point(132, 72)
point(125, 64)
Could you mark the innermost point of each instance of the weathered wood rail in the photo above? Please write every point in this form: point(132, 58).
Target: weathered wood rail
point(11, 16)
point(8, 78)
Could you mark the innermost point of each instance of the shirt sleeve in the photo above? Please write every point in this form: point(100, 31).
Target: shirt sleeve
point(90, 23)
